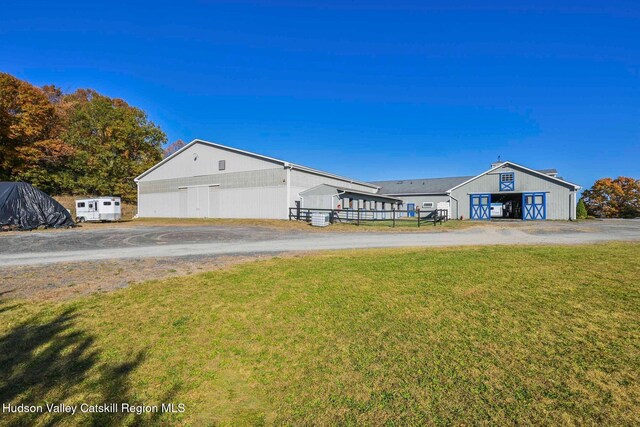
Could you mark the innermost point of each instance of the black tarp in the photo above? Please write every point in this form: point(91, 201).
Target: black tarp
point(25, 207)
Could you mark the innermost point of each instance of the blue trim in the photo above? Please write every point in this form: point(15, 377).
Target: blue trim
point(507, 185)
point(534, 211)
point(480, 210)
point(411, 208)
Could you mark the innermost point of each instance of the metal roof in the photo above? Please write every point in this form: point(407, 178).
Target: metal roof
point(420, 185)
point(548, 171)
point(344, 190)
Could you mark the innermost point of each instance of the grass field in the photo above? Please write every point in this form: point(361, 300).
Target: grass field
point(491, 335)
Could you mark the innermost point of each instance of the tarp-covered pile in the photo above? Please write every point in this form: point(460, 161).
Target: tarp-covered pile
point(25, 207)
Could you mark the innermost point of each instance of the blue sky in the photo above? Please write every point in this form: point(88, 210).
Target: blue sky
point(372, 89)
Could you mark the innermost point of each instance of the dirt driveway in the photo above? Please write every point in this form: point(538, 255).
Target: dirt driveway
point(107, 257)
point(141, 241)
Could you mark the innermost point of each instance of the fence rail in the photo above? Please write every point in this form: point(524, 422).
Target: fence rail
point(361, 216)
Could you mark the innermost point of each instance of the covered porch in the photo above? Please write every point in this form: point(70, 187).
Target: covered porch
point(347, 201)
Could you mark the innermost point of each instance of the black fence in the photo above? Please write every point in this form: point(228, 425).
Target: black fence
point(363, 216)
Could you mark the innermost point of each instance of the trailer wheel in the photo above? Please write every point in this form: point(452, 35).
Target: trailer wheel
point(80, 219)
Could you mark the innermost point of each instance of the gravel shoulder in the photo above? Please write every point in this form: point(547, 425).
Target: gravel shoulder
point(108, 243)
point(68, 263)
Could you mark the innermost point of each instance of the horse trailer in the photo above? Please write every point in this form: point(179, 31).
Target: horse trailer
point(98, 209)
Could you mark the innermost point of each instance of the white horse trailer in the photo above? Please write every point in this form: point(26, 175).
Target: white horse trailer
point(98, 209)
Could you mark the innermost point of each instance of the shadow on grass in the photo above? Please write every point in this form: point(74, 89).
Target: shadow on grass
point(55, 362)
point(7, 307)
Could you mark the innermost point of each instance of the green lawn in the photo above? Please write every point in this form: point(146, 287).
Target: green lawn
point(492, 335)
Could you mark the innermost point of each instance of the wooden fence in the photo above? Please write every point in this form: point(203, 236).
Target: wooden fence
point(361, 216)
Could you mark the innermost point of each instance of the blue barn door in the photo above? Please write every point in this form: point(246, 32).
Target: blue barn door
point(534, 206)
point(480, 206)
point(411, 209)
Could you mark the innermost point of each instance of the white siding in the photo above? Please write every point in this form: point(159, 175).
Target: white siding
point(185, 163)
point(320, 198)
point(302, 180)
point(162, 205)
point(418, 200)
point(215, 202)
point(190, 185)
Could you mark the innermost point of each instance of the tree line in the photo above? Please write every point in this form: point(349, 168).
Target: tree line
point(79, 143)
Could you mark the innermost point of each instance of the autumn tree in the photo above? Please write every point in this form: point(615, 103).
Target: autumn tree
point(613, 198)
point(31, 145)
point(174, 147)
point(82, 143)
point(113, 142)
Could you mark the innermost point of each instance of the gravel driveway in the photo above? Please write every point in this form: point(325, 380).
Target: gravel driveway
point(111, 243)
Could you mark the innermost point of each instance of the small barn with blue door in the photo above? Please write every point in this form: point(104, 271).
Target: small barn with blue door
point(509, 190)
point(506, 191)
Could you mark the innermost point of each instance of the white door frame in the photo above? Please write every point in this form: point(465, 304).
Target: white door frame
point(186, 187)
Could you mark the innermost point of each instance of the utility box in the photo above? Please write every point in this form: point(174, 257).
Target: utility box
point(445, 207)
point(319, 219)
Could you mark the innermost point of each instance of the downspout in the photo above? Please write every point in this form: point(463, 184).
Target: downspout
point(573, 199)
point(287, 168)
point(137, 215)
point(457, 206)
point(337, 196)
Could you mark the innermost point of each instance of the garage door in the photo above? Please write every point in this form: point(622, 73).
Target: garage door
point(197, 202)
point(480, 206)
point(534, 206)
point(183, 203)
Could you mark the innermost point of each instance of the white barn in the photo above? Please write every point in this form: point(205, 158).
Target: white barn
point(210, 180)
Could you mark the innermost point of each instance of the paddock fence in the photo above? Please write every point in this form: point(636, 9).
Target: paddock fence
point(392, 218)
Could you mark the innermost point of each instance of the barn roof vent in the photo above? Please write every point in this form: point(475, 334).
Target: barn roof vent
point(496, 163)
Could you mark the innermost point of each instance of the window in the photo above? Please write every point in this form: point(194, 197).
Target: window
point(81, 204)
point(222, 165)
point(90, 205)
point(106, 203)
point(427, 205)
point(507, 181)
point(117, 203)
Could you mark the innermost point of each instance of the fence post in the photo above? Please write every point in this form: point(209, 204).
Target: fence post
point(358, 223)
point(393, 213)
point(418, 215)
